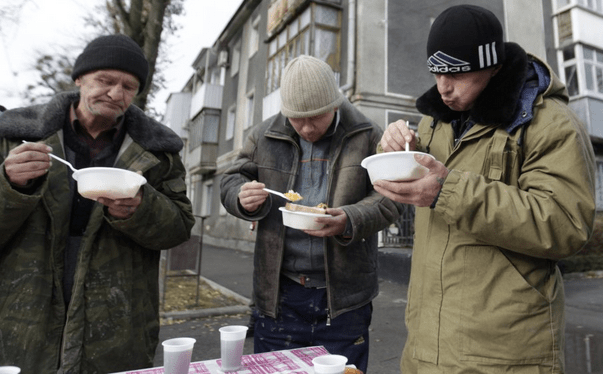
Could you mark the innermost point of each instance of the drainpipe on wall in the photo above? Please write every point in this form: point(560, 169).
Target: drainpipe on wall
point(351, 47)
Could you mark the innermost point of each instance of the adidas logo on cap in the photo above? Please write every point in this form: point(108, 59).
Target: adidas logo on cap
point(441, 62)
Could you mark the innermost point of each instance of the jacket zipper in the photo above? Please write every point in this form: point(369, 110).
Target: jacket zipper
point(329, 183)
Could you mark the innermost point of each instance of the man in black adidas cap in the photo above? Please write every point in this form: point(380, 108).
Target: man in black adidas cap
point(79, 284)
point(509, 193)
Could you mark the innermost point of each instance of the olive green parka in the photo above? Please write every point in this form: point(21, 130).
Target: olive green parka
point(112, 323)
point(485, 289)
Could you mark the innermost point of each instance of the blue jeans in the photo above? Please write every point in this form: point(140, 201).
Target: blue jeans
point(302, 322)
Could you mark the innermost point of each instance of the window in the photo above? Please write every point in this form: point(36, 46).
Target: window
point(562, 3)
point(254, 37)
point(295, 39)
point(195, 131)
point(599, 185)
point(236, 59)
point(593, 69)
point(215, 75)
point(583, 69)
point(570, 68)
point(595, 5)
point(249, 111)
point(197, 194)
point(230, 122)
point(208, 192)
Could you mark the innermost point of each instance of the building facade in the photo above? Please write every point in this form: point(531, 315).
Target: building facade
point(377, 50)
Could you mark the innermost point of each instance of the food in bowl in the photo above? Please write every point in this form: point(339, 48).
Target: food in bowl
point(303, 217)
point(111, 183)
point(319, 209)
point(293, 196)
point(395, 166)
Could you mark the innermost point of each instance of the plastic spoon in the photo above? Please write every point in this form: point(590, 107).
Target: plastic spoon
point(59, 159)
point(407, 146)
point(277, 193)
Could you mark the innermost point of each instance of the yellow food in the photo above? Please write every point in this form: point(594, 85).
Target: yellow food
point(293, 196)
point(352, 371)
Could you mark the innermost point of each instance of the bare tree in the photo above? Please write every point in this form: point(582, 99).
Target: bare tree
point(144, 21)
point(54, 76)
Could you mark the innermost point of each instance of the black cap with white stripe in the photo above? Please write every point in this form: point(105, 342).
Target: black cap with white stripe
point(464, 38)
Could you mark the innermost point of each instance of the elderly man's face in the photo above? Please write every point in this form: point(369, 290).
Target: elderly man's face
point(459, 91)
point(312, 129)
point(107, 93)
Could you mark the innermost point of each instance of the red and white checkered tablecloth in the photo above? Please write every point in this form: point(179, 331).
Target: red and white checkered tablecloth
point(294, 361)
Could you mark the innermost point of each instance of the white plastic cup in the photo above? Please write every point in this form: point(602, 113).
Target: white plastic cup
point(329, 364)
point(9, 370)
point(177, 355)
point(232, 341)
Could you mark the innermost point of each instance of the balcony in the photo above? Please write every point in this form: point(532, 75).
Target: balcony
point(203, 142)
point(208, 96)
point(202, 160)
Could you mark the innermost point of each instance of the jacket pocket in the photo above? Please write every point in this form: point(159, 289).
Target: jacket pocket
point(501, 159)
point(504, 320)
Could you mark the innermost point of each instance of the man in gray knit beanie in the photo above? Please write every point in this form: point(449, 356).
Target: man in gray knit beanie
point(312, 287)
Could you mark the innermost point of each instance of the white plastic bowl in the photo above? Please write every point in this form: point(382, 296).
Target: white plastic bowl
point(301, 220)
point(329, 364)
point(112, 183)
point(395, 166)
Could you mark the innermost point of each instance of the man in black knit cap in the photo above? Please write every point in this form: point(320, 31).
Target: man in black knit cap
point(79, 283)
point(509, 193)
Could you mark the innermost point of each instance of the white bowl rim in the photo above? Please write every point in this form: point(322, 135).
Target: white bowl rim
point(396, 153)
point(87, 170)
point(307, 214)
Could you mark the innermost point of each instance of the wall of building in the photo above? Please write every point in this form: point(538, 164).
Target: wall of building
point(383, 70)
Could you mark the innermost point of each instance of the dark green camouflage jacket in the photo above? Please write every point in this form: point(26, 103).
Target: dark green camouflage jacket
point(112, 323)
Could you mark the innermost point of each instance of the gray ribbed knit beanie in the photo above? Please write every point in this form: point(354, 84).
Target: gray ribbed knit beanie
point(308, 88)
point(116, 51)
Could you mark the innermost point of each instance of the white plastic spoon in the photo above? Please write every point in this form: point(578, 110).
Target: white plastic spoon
point(407, 146)
point(277, 193)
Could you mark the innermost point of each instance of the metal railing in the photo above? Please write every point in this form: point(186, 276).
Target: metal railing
point(401, 232)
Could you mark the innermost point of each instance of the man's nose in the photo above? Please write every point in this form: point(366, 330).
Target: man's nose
point(116, 92)
point(444, 84)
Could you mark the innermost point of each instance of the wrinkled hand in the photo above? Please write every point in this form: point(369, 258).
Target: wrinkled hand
point(334, 225)
point(396, 135)
point(26, 162)
point(122, 208)
point(420, 192)
point(252, 196)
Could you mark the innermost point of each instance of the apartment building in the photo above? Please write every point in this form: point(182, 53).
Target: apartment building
point(377, 50)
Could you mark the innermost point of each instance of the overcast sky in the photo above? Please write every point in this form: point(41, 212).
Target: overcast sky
point(52, 25)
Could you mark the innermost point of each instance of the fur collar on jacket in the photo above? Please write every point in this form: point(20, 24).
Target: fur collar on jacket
point(40, 121)
point(497, 104)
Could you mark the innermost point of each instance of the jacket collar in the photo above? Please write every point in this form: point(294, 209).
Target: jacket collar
point(497, 104)
point(40, 121)
point(349, 120)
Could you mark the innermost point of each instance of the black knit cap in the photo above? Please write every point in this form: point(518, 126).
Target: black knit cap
point(464, 38)
point(118, 52)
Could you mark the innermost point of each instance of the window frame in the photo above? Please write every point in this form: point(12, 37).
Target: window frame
point(231, 113)
point(299, 37)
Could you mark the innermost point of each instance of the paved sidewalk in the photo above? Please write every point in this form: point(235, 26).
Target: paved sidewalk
point(231, 270)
